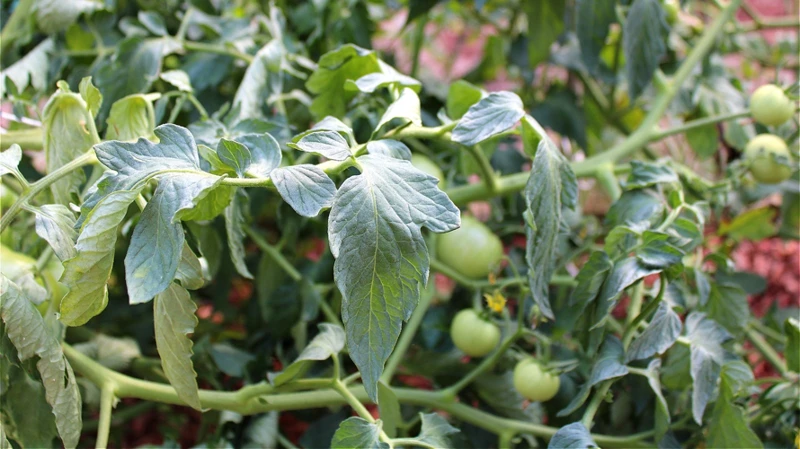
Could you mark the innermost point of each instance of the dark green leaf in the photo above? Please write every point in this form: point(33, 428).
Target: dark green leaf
point(234, 223)
point(305, 187)
point(545, 24)
point(727, 305)
point(550, 187)
point(792, 330)
point(328, 342)
point(357, 433)
point(657, 252)
point(643, 43)
point(707, 357)
point(27, 417)
point(572, 436)
point(728, 425)
point(381, 258)
point(609, 364)
point(636, 206)
point(29, 334)
point(645, 174)
point(624, 274)
point(435, 431)
point(589, 281)
point(660, 334)
point(662, 417)
point(593, 20)
point(498, 392)
point(175, 319)
point(495, 113)
point(704, 140)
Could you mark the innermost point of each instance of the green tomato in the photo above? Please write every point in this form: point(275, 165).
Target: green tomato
point(770, 106)
point(765, 152)
point(473, 335)
point(472, 250)
point(423, 164)
point(533, 382)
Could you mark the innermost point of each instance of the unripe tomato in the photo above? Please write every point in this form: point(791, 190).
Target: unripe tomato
point(472, 250)
point(473, 335)
point(423, 164)
point(763, 152)
point(533, 382)
point(609, 50)
point(770, 106)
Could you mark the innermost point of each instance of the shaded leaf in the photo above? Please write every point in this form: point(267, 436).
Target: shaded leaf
point(389, 409)
point(643, 43)
point(406, 108)
point(328, 342)
point(55, 223)
point(28, 332)
point(234, 223)
point(261, 79)
point(130, 118)
point(572, 436)
point(645, 174)
point(348, 62)
point(593, 20)
point(545, 24)
point(660, 334)
point(727, 305)
point(707, 357)
point(175, 318)
point(357, 433)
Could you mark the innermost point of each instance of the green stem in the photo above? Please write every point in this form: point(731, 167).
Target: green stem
point(608, 180)
point(643, 135)
point(767, 351)
point(597, 399)
point(650, 308)
point(478, 284)
point(699, 123)
point(485, 365)
point(244, 402)
point(45, 182)
point(489, 176)
point(28, 139)
point(275, 254)
point(635, 307)
point(407, 336)
point(104, 425)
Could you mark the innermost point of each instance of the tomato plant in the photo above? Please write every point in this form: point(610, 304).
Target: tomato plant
point(234, 223)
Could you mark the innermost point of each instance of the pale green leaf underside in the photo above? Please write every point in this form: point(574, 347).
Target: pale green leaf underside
point(86, 274)
point(130, 118)
point(381, 258)
point(9, 159)
point(493, 114)
point(175, 318)
point(55, 223)
point(357, 433)
point(328, 342)
point(234, 224)
point(29, 334)
point(707, 356)
point(330, 144)
point(406, 108)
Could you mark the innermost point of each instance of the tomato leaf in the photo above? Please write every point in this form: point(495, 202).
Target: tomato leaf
point(175, 318)
point(389, 409)
point(234, 222)
point(435, 431)
point(261, 79)
point(545, 24)
point(406, 108)
point(728, 425)
point(727, 305)
point(28, 332)
point(662, 417)
point(381, 258)
point(10, 158)
point(460, 97)
point(495, 113)
point(572, 436)
point(390, 148)
point(550, 188)
point(387, 76)
point(305, 187)
point(130, 118)
point(55, 223)
point(624, 274)
point(643, 43)
point(328, 342)
point(593, 20)
point(330, 144)
point(645, 174)
point(86, 274)
point(791, 327)
point(609, 364)
point(662, 332)
point(357, 433)
point(348, 62)
point(66, 136)
point(707, 356)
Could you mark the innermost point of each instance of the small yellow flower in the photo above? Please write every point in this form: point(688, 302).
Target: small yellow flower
point(496, 301)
